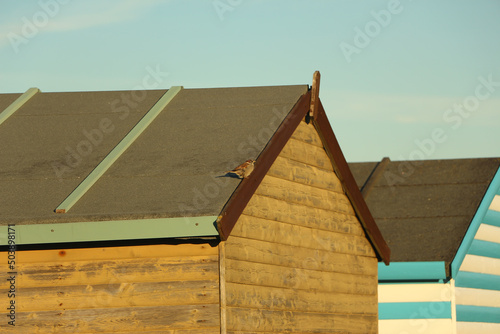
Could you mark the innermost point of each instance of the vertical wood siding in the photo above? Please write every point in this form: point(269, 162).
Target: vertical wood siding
point(138, 289)
point(478, 279)
point(297, 260)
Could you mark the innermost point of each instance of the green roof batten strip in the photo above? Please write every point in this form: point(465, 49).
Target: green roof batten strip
point(113, 230)
point(18, 103)
point(118, 150)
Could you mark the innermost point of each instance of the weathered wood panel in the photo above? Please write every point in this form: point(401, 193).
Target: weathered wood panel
point(306, 174)
point(33, 275)
point(298, 260)
point(115, 253)
point(222, 288)
point(131, 319)
point(306, 195)
point(306, 153)
point(296, 278)
point(267, 320)
point(307, 133)
point(148, 289)
point(277, 232)
point(298, 257)
point(297, 214)
point(206, 330)
point(272, 298)
point(116, 295)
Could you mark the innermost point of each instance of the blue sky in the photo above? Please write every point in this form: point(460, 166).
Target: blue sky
point(404, 79)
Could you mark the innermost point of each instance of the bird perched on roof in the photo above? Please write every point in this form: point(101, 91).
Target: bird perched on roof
point(244, 170)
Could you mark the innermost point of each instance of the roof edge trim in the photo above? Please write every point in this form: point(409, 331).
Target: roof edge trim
point(374, 177)
point(18, 103)
point(118, 150)
point(412, 271)
point(245, 190)
point(477, 220)
point(113, 230)
point(343, 172)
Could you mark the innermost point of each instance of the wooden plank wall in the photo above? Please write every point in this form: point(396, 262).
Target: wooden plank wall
point(297, 260)
point(140, 289)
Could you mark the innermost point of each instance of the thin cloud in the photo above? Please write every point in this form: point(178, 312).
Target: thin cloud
point(78, 16)
point(102, 13)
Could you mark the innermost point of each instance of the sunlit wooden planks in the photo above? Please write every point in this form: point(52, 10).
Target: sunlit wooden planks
point(298, 257)
point(312, 280)
point(161, 288)
point(131, 319)
point(306, 133)
point(305, 174)
point(307, 153)
point(297, 214)
point(241, 319)
point(48, 274)
point(298, 193)
point(272, 298)
point(116, 294)
point(115, 253)
point(273, 231)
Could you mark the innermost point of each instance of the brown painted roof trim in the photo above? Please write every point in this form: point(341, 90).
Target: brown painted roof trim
point(339, 163)
point(238, 201)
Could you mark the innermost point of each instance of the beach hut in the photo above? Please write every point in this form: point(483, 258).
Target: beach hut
point(441, 219)
point(119, 215)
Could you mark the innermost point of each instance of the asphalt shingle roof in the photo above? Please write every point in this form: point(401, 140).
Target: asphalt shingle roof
point(173, 169)
point(423, 208)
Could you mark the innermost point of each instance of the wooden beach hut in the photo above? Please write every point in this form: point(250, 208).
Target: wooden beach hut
point(119, 215)
point(441, 219)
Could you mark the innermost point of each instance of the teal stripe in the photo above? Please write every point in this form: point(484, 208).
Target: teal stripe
point(492, 218)
point(421, 310)
point(112, 230)
point(122, 146)
point(469, 313)
point(467, 279)
point(405, 271)
point(485, 248)
point(481, 213)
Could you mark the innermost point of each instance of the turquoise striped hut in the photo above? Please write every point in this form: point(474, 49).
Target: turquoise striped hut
point(441, 219)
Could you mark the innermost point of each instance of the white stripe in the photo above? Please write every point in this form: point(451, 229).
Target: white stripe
point(415, 326)
point(488, 233)
point(396, 293)
point(477, 328)
point(495, 203)
point(478, 297)
point(453, 307)
point(481, 264)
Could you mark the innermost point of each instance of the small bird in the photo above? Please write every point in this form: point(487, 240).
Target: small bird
point(244, 170)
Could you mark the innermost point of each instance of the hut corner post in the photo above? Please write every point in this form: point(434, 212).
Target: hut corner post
point(222, 287)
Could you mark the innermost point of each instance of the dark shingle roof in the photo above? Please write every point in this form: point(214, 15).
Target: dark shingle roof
point(423, 208)
point(169, 171)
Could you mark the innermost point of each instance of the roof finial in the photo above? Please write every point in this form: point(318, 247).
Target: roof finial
point(313, 109)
